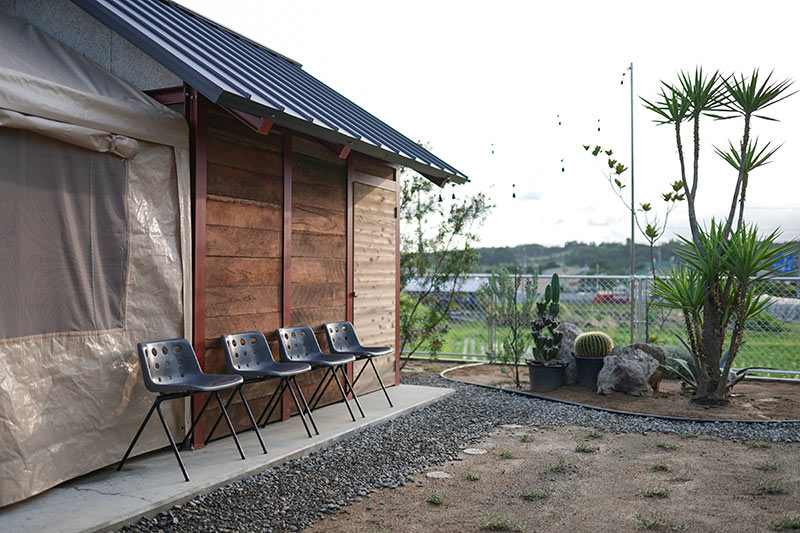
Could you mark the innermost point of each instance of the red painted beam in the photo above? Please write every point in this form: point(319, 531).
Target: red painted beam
point(350, 259)
point(258, 124)
point(169, 95)
point(397, 278)
point(286, 301)
point(195, 109)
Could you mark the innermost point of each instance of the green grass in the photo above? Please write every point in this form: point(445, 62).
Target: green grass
point(507, 454)
point(659, 466)
point(585, 448)
point(771, 486)
point(667, 445)
point(768, 466)
point(469, 475)
point(688, 435)
point(758, 444)
point(594, 434)
point(532, 495)
point(655, 520)
point(787, 522)
point(501, 522)
point(527, 437)
point(559, 466)
point(435, 498)
point(659, 492)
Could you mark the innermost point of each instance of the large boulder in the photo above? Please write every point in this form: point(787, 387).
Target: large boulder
point(658, 354)
point(567, 352)
point(627, 370)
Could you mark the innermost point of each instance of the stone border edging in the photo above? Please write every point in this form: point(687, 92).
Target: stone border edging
point(611, 411)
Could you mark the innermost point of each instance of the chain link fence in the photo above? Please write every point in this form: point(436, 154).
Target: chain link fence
point(606, 303)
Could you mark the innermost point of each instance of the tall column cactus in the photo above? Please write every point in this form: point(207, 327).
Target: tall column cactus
point(547, 341)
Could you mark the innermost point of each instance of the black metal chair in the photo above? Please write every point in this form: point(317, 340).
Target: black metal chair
point(171, 370)
point(342, 339)
point(300, 344)
point(248, 355)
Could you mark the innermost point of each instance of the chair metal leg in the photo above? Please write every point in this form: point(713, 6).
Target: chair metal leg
point(303, 397)
point(299, 410)
point(364, 367)
point(219, 418)
point(344, 396)
point(230, 425)
point(188, 436)
point(314, 402)
point(276, 395)
point(138, 434)
point(352, 390)
point(172, 441)
point(252, 420)
point(380, 381)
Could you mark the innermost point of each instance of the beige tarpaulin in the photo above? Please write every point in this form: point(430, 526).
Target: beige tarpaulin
point(71, 396)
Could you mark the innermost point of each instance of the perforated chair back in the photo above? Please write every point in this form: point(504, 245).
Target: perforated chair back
point(298, 344)
point(342, 337)
point(246, 352)
point(167, 364)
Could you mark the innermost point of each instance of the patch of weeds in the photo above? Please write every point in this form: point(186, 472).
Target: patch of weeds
point(659, 466)
point(666, 445)
point(655, 520)
point(435, 498)
point(585, 448)
point(527, 437)
point(688, 435)
point(771, 486)
point(506, 454)
point(594, 434)
point(501, 522)
point(768, 466)
point(788, 522)
point(658, 492)
point(532, 495)
point(373, 530)
point(469, 475)
point(547, 426)
point(758, 444)
point(559, 466)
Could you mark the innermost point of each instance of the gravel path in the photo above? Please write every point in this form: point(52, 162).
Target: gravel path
point(300, 492)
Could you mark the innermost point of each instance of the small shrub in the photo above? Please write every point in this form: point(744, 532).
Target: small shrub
point(594, 434)
point(768, 466)
point(527, 437)
point(659, 466)
point(532, 495)
point(506, 454)
point(501, 522)
point(688, 435)
point(469, 475)
point(435, 498)
point(585, 448)
point(788, 522)
point(559, 466)
point(772, 486)
point(758, 444)
point(547, 426)
point(667, 445)
point(655, 520)
point(658, 492)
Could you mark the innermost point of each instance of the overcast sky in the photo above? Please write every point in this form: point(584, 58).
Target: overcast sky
point(473, 77)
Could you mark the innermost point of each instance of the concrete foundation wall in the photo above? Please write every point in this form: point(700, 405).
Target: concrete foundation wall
point(71, 25)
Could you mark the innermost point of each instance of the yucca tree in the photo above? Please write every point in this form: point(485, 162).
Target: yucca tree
point(717, 258)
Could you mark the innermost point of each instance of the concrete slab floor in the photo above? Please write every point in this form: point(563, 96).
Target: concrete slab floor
point(107, 499)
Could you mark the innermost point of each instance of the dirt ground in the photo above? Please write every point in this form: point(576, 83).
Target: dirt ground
point(703, 484)
point(751, 400)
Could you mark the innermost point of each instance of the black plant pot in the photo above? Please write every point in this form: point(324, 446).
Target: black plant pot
point(546, 376)
point(588, 368)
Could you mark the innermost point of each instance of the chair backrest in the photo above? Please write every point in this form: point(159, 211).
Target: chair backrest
point(298, 343)
point(342, 337)
point(168, 362)
point(246, 351)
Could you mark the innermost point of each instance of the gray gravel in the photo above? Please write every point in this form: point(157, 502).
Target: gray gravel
point(298, 493)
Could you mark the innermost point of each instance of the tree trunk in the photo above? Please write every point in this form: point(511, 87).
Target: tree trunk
point(710, 384)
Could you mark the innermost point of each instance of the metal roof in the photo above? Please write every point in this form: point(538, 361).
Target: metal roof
point(234, 71)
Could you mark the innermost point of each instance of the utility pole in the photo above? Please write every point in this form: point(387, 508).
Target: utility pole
point(633, 222)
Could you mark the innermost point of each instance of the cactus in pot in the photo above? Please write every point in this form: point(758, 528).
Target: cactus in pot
point(593, 344)
point(547, 341)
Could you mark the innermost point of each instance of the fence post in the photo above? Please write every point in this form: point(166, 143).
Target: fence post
point(491, 347)
point(640, 296)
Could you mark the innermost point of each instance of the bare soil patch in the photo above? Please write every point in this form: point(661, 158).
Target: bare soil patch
point(696, 484)
point(751, 400)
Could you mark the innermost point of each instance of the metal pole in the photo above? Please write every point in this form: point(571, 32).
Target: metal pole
point(633, 216)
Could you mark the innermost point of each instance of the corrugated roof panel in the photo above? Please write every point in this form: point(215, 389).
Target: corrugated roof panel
point(224, 66)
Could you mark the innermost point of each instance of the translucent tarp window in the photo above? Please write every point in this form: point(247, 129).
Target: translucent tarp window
point(63, 237)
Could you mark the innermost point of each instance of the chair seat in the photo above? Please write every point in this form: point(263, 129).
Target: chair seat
point(200, 383)
point(275, 369)
point(330, 359)
point(371, 351)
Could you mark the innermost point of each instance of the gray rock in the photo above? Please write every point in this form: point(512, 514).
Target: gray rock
point(628, 370)
point(658, 354)
point(567, 353)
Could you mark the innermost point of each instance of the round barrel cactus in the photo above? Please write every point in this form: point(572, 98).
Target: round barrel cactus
point(593, 344)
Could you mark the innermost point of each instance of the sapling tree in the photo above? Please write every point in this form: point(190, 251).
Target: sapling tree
point(436, 251)
point(716, 289)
